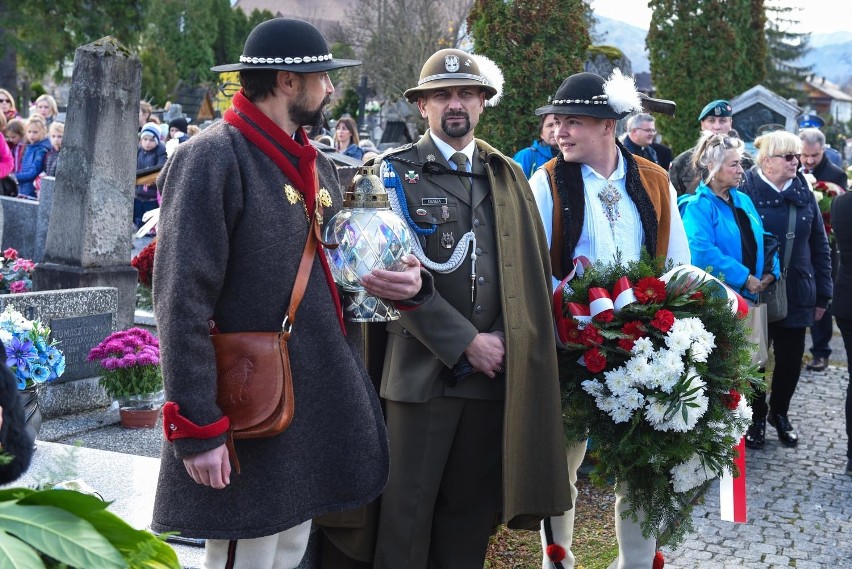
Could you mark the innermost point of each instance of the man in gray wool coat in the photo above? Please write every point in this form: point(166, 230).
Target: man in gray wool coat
point(236, 203)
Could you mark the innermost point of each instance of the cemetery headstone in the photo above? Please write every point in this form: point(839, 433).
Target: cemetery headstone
point(89, 240)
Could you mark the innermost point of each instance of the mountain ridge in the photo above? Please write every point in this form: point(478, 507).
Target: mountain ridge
point(830, 54)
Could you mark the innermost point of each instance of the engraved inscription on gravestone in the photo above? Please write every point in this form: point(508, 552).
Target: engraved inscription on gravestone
point(77, 336)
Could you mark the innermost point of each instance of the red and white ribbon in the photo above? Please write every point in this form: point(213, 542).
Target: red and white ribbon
point(623, 293)
point(732, 491)
point(738, 304)
point(599, 301)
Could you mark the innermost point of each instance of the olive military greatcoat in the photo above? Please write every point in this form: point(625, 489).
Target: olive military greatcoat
point(511, 294)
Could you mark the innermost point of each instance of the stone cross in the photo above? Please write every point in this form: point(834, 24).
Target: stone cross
point(89, 240)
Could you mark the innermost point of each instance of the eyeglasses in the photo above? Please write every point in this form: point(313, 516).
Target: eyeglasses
point(648, 130)
point(720, 140)
point(5, 101)
point(787, 157)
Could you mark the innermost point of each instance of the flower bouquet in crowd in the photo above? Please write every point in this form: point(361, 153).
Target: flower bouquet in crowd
point(656, 370)
point(30, 353)
point(825, 192)
point(131, 363)
point(15, 273)
point(144, 265)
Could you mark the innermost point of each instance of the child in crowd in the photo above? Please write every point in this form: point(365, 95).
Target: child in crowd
point(56, 131)
point(151, 153)
point(32, 163)
point(15, 133)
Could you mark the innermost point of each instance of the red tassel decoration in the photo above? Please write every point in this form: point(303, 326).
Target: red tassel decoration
point(555, 553)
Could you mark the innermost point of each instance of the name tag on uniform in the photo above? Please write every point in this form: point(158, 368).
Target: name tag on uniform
point(433, 201)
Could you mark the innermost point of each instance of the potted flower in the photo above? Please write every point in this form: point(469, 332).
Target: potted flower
point(15, 273)
point(32, 356)
point(131, 363)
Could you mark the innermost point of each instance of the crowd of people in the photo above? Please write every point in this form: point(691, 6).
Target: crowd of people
point(462, 428)
point(32, 145)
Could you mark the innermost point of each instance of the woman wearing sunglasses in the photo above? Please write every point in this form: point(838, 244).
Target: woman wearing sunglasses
point(7, 105)
point(775, 185)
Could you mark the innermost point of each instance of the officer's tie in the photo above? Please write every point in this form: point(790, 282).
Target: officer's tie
point(460, 160)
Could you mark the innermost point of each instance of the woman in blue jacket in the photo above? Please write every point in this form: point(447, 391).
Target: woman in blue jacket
point(32, 163)
point(775, 185)
point(723, 227)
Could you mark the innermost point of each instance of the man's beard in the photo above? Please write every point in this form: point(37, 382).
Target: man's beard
point(454, 131)
point(302, 115)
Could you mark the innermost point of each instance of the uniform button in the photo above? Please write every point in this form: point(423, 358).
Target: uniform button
point(478, 310)
point(481, 280)
point(478, 251)
point(405, 332)
point(476, 223)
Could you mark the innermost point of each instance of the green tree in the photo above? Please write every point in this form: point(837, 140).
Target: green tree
point(784, 48)
point(537, 44)
point(395, 37)
point(45, 33)
point(701, 50)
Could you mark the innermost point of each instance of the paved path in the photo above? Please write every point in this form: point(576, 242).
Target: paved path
point(799, 500)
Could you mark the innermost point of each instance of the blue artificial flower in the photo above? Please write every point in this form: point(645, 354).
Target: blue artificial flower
point(57, 364)
point(20, 353)
point(40, 373)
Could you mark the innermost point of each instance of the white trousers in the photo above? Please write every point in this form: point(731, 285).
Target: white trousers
point(634, 550)
point(282, 550)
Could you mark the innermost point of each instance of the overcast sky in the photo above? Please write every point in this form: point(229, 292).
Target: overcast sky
point(816, 16)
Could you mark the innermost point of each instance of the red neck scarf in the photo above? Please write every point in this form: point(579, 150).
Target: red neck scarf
point(282, 149)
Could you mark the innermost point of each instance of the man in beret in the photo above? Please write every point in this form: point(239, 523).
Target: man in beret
point(238, 200)
point(469, 383)
point(715, 117)
point(596, 199)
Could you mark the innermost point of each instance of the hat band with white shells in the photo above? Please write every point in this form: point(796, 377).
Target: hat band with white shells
point(287, 60)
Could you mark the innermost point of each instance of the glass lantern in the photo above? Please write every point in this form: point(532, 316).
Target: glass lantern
point(369, 236)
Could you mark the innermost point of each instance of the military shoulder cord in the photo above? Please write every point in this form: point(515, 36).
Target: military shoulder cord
point(398, 203)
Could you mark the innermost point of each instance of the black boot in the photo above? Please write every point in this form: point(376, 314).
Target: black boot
point(756, 435)
point(786, 433)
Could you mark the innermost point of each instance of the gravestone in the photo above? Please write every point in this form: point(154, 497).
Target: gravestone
point(759, 107)
point(24, 223)
point(79, 319)
point(89, 240)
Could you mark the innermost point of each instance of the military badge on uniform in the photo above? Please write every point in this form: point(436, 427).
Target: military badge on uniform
point(430, 158)
point(445, 213)
point(324, 198)
point(451, 63)
point(292, 195)
point(421, 211)
point(412, 177)
point(447, 240)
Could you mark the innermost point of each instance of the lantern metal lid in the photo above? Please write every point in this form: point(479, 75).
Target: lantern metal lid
point(366, 190)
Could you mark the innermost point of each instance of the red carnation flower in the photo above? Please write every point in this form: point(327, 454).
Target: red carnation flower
point(605, 316)
point(555, 553)
point(697, 295)
point(634, 330)
point(650, 290)
point(663, 320)
point(732, 399)
point(595, 360)
point(590, 336)
point(659, 561)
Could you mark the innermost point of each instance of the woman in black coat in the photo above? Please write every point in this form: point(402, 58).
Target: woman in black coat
point(841, 217)
point(774, 185)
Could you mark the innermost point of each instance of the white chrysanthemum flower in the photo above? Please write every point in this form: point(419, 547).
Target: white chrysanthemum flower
point(643, 347)
point(608, 404)
point(592, 387)
point(618, 380)
point(655, 412)
point(621, 415)
point(744, 410)
point(5, 336)
point(678, 339)
point(690, 474)
point(639, 369)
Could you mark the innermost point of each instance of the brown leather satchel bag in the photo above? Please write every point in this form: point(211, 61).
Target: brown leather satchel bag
point(254, 379)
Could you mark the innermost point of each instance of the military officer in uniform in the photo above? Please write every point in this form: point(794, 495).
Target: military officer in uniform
point(470, 378)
